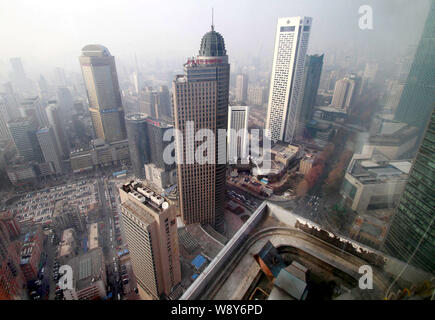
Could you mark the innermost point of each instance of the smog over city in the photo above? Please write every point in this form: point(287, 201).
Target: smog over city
point(230, 151)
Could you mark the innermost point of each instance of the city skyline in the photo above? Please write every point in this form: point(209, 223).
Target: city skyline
point(178, 170)
point(71, 22)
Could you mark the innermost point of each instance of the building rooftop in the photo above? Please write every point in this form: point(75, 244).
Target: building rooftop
point(95, 50)
point(212, 45)
point(233, 273)
point(372, 170)
point(93, 236)
point(88, 268)
point(146, 196)
point(67, 242)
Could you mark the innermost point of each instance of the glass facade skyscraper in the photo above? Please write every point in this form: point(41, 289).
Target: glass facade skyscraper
point(412, 231)
point(312, 72)
point(418, 95)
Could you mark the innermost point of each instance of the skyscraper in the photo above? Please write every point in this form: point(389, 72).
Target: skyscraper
point(201, 96)
point(151, 229)
point(147, 146)
point(4, 118)
point(55, 120)
point(238, 137)
point(105, 104)
point(33, 108)
point(418, 96)
point(242, 88)
point(344, 92)
point(286, 84)
point(412, 232)
point(156, 104)
point(137, 142)
point(65, 101)
point(312, 73)
point(50, 150)
point(23, 132)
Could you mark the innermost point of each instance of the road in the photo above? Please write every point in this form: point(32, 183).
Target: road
point(108, 241)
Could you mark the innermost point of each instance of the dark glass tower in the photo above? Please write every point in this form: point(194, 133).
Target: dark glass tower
point(418, 95)
point(138, 141)
point(413, 221)
point(145, 141)
point(201, 96)
point(312, 72)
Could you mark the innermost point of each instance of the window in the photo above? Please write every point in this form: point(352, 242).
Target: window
point(287, 29)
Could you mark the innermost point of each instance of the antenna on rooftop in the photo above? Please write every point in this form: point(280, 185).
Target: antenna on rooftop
point(212, 23)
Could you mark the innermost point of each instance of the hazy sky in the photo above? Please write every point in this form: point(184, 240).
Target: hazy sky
point(49, 33)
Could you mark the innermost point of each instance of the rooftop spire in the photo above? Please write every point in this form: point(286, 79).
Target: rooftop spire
point(212, 23)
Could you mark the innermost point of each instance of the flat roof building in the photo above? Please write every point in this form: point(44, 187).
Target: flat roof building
point(150, 226)
point(374, 182)
point(89, 276)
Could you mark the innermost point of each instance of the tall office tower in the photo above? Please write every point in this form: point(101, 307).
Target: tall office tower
point(49, 148)
point(286, 83)
point(412, 232)
point(65, 101)
point(312, 73)
point(151, 230)
point(137, 81)
point(393, 97)
point(59, 77)
point(418, 96)
point(4, 118)
point(343, 93)
point(105, 105)
point(138, 142)
point(147, 146)
point(201, 96)
point(11, 101)
point(369, 76)
point(43, 87)
point(242, 88)
point(19, 78)
point(23, 132)
point(148, 102)
point(55, 121)
point(33, 108)
point(165, 107)
point(257, 95)
point(238, 137)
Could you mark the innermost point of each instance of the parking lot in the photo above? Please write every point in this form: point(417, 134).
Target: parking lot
point(37, 207)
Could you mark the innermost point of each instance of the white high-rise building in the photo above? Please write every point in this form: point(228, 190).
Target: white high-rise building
point(238, 138)
point(242, 87)
point(343, 93)
point(286, 84)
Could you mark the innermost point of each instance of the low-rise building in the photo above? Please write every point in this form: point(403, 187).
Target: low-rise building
point(100, 154)
point(392, 138)
point(89, 276)
point(66, 215)
point(67, 246)
point(93, 236)
point(30, 254)
point(374, 182)
point(306, 164)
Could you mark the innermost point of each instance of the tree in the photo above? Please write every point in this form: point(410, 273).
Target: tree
point(302, 188)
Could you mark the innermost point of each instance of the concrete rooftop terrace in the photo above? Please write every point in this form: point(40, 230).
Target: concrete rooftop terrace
point(233, 270)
